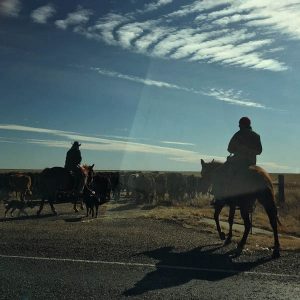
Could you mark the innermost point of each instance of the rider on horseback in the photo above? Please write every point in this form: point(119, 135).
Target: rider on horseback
point(72, 164)
point(244, 146)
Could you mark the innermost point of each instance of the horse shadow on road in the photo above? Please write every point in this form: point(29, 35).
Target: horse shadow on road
point(178, 268)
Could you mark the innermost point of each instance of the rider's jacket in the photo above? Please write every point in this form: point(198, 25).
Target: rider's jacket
point(245, 145)
point(73, 159)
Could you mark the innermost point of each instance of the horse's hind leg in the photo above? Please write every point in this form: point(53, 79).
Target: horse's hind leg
point(268, 202)
point(230, 222)
point(41, 207)
point(218, 209)
point(52, 207)
point(75, 203)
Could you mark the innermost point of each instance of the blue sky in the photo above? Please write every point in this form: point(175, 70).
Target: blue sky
point(149, 85)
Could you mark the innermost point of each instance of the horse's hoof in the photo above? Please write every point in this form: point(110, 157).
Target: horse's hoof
point(240, 245)
point(222, 236)
point(76, 210)
point(227, 242)
point(276, 253)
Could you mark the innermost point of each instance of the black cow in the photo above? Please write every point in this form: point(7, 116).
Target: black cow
point(102, 186)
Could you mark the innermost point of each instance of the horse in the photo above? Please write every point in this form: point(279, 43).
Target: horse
point(241, 191)
point(57, 181)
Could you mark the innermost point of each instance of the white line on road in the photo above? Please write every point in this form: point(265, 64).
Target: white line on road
point(158, 266)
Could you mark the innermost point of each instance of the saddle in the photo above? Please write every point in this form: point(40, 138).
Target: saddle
point(228, 181)
point(75, 175)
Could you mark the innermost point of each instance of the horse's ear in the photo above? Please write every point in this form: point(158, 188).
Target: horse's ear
point(202, 162)
point(213, 160)
point(92, 166)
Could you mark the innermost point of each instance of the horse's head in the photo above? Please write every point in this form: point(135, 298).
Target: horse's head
point(208, 168)
point(89, 173)
point(207, 172)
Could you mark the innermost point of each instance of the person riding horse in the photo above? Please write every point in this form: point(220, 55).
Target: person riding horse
point(243, 147)
point(73, 160)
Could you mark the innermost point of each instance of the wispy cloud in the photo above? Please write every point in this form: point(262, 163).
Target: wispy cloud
point(177, 143)
point(95, 143)
point(156, 5)
point(211, 31)
point(43, 13)
point(10, 8)
point(211, 38)
point(232, 97)
point(229, 96)
point(78, 17)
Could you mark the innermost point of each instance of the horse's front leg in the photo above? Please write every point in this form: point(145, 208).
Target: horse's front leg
point(218, 209)
point(230, 222)
point(247, 224)
point(74, 206)
point(75, 203)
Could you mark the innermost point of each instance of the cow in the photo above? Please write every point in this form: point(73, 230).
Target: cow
point(176, 186)
point(191, 186)
point(20, 183)
point(142, 187)
point(161, 186)
point(102, 186)
point(115, 185)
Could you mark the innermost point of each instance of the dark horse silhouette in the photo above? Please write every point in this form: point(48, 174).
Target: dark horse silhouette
point(251, 185)
point(57, 180)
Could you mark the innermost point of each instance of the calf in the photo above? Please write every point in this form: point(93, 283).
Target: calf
point(92, 201)
point(20, 183)
point(19, 205)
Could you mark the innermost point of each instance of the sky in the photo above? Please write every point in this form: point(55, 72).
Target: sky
point(148, 85)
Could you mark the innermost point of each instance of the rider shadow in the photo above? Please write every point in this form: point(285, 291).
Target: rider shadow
point(175, 269)
point(127, 206)
point(73, 219)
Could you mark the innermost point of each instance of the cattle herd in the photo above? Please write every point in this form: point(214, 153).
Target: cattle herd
point(142, 187)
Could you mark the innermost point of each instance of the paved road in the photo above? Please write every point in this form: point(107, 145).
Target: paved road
point(65, 258)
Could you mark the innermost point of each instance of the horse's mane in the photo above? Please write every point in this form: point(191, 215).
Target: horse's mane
point(85, 169)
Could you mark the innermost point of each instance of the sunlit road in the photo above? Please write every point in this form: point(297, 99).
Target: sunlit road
point(139, 258)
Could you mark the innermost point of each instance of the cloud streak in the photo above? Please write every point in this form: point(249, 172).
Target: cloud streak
point(95, 143)
point(230, 33)
point(43, 13)
point(211, 38)
point(229, 96)
point(78, 17)
point(10, 8)
point(156, 5)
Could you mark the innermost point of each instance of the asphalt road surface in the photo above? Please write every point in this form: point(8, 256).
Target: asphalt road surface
point(70, 257)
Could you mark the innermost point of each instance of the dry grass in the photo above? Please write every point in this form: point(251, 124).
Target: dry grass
point(189, 213)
